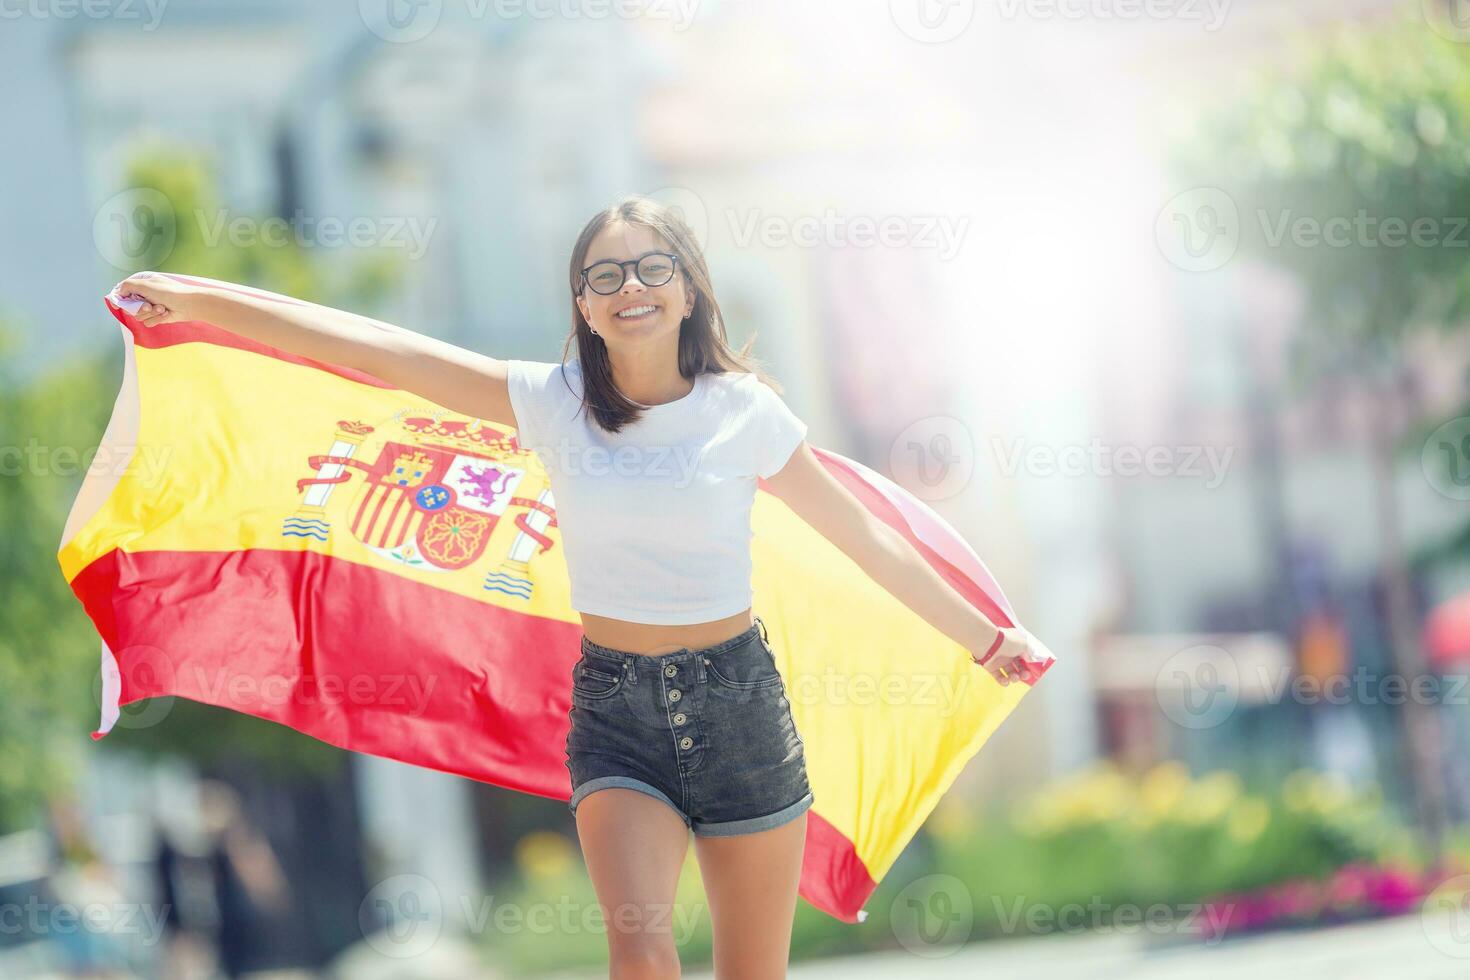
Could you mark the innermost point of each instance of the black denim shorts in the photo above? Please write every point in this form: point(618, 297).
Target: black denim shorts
point(707, 731)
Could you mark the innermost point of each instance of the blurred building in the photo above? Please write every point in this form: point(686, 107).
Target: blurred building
point(1284, 537)
point(1052, 323)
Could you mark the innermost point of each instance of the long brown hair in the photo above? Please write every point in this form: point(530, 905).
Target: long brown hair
point(703, 344)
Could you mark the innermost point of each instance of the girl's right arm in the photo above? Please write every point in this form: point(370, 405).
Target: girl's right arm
point(463, 381)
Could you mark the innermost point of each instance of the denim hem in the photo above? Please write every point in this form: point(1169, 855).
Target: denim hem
point(623, 782)
point(731, 828)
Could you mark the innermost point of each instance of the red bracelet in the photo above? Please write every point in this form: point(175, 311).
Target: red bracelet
point(999, 636)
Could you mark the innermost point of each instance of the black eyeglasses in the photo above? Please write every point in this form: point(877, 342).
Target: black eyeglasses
point(607, 277)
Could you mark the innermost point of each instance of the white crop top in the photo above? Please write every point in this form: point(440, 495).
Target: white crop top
point(655, 519)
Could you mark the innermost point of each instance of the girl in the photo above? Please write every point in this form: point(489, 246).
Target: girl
point(653, 438)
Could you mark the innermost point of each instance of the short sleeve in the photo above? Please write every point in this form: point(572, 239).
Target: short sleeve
point(531, 398)
point(778, 431)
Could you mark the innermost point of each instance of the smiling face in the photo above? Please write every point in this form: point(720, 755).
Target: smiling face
point(624, 316)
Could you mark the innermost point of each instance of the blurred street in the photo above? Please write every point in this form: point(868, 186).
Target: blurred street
point(1394, 949)
point(1390, 949)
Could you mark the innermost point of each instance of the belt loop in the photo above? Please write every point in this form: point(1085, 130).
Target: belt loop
point(699, 668)
point(762, 624)
point(631, 671)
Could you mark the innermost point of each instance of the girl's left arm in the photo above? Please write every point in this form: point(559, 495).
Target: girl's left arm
point(890, 560)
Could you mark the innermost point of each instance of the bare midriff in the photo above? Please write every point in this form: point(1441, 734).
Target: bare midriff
point(656, 640)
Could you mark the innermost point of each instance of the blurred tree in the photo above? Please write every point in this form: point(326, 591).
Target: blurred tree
point(48, 649)
point(1349, 166)
point(49, 426)
point(190, 228)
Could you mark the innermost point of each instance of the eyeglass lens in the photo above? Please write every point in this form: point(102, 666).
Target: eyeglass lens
point(608, 277)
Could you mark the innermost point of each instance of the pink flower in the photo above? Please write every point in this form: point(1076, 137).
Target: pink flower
point(1300, 898)
point(1394, 891)
point(1352, 891)
point(1349, 886)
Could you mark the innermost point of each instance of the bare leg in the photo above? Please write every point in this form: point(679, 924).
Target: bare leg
point(751, 881)
point(634, 846)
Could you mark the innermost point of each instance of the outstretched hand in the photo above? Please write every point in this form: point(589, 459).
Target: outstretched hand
point(1002, 659)
point(166, 299)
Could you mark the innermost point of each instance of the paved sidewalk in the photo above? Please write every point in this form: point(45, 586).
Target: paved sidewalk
point(1392, 949)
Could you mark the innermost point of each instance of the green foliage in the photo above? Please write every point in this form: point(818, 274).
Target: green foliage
point(1348, 165)
point(49, 650)
point(1098, 840)
point(192, 230)
point(1109, 839)
point(1369, 128)
point(205, 734)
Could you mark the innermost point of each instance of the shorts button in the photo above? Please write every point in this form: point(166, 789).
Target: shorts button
point(670, 670)
point(685, 742)
point(675, 695)
point(679, 719)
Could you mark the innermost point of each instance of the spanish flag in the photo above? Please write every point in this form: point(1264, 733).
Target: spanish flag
point(272, 534)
